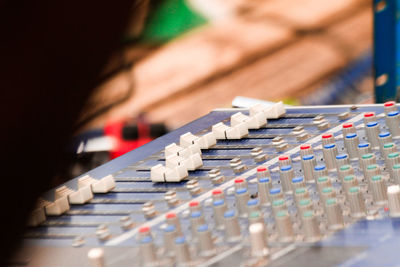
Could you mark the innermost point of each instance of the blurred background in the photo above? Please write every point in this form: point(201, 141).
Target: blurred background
point(180, 59)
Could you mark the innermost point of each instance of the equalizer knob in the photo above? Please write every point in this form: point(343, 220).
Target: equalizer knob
point(258, 240)
point(334, 214)
point(308, 163)
point(252, 205)
point(147, 251)
point(173, 219)
point(387, 149)
point(232, 228)
point(256, 217)
point(194, 206)
point(330, 152)
point(284, 160)
point(393, 122)
point(196, 219)
point(368, 117)
point(286, 174)
point(345, 170)
point(342, 159)
point(348, 128)
point(356, 202)
point(306, 149)
point(328, 138)
point(240, 183)
point(182, 253)
point(275, 193)
point(348, 182)
point(310, 226)
point(327, 193)
point(217, 194)
point(304, 205)
point(372, 131)
point(170, 233)
point(393, 193)
point(366, 160)
point(219, 208)
point(384, 138)
point(242, 196)
point(298, 182)
point(301, 193)
point(378, 189)
point(396, 173)
point(205, 240)
point(364, 148)
point(392, 159)
point(263, 186)
point(278, 205)
point(284, 226)
point(263, 172)
point(371, 171)
point(351, 142)
point(323, 182)
point(320, 171)
point(389, 106)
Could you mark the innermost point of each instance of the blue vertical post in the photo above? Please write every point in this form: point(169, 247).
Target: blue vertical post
point(386, 51)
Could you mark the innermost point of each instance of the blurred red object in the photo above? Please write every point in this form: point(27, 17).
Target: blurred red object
point(115, 129)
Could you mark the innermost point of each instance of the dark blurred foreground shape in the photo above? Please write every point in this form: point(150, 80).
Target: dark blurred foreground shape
point(51, 55)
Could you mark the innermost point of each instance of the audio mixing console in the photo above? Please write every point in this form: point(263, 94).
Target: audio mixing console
point(265, 186)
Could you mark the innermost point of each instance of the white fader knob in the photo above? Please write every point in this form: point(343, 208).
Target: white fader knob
point(102, 185)
point(258, 240)
point(393, 193)
point(204, 142)
point(252, 122)
point(275, 111)
point(222, 131)
point(96, 257)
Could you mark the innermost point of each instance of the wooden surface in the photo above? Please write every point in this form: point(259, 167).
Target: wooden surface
point(272, 52)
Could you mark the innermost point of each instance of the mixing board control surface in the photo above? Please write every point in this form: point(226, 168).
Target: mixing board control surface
point(276, 186)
